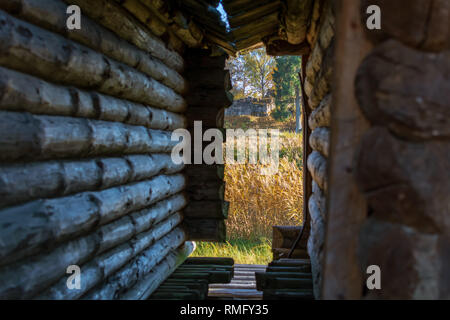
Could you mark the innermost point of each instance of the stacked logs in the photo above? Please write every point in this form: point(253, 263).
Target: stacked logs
point(86, 176)
point(286, 279)
point(207, 99)
point(317, 88)
point(191, 280)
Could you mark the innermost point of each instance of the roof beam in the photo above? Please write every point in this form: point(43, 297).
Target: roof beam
point(254, 14)
point(297, 17)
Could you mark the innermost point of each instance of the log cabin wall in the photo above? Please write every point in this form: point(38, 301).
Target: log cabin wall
point(317, 87)
point(209, 85)
point(86, 176)
point(390, 169)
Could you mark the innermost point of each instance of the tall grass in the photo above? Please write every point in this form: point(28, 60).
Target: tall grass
point(257, 201)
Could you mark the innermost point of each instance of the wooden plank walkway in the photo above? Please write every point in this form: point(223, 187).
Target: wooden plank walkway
point(242, 285)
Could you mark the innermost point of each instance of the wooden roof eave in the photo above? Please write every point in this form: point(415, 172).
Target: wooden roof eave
point(250, 16)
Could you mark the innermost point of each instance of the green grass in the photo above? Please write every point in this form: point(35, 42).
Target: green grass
point(241, 250)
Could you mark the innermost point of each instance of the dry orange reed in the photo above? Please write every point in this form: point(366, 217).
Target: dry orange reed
point(257, 202)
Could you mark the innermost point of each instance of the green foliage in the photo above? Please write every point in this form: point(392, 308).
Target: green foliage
point(253, 251)
point(286, 80)
point(251, 74)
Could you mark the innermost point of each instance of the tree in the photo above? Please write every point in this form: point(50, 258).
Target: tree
point(287, 88)
point(259, 68)
point(239, 76)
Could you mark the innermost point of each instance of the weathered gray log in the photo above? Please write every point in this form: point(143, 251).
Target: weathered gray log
point(422, 24)
point(409, 183)
point(27, 277)
point(211, 98)
point(54, 58)
point(116, 19)
point(296, 19)
point(413, 102)
point(205, 229)
point(28, 181)
point(104, 265)
point(254, 14)
point(190, 34)
point(53, 17)
point(321, 116)
point(319, 140)
point(151, 282)
point(27, 227)
point(23, 135)
point(317, 166)
point(137, 268)
point(22, 92)
point(184, 27)
point(257, 27)
point(145, 16)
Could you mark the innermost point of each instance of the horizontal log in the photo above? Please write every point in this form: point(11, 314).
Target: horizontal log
point(22, 92)
point(29, 181)
point(205, 191)
point(319, 140)
point(207, 172)
point(408, 183)
point(280, 47)
point(116, 19)
point(151, 282)
point(137, 268)
point(418, 110)
point(42, 223)
point(321, 116)
point(104, 265)
point(209, 260)
point(27, 136)
point(207, 209)
point(53, 17)
point(150, 16)
point(212, 98)
point(142, 221)
point(205, 229)
point(207, 78)
point(317, 166)
point(54, 58)
point(288, 294)
point(298, 13)
point(214, 276)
